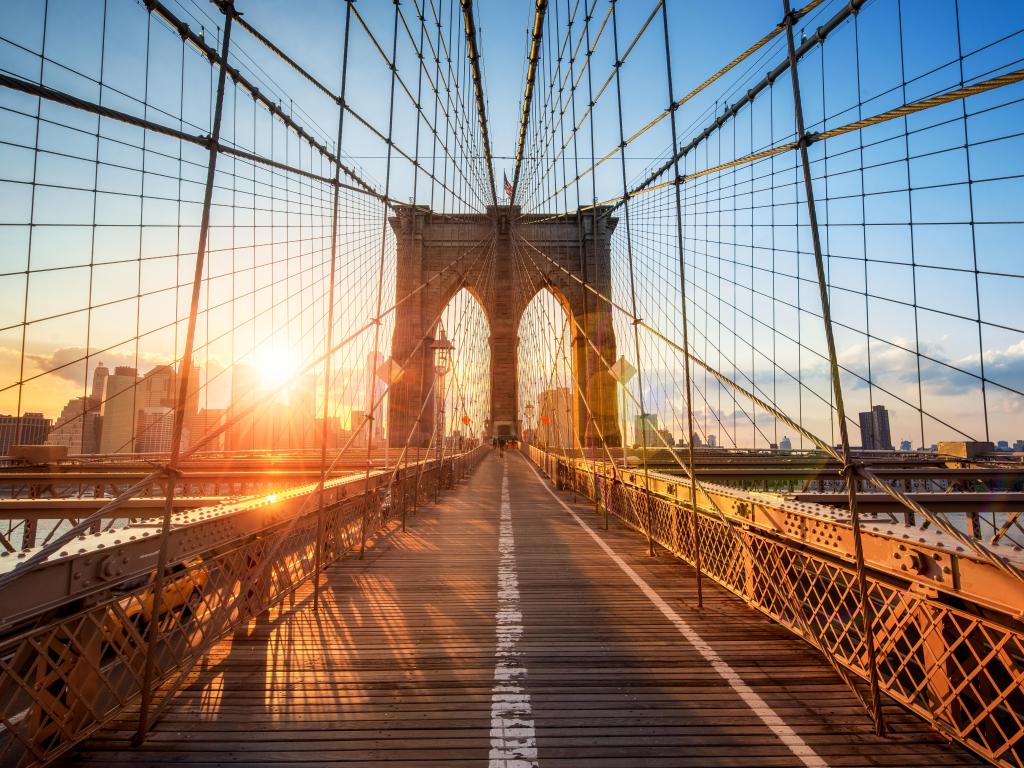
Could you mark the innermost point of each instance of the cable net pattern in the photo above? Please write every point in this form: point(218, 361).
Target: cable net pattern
point(796, 259)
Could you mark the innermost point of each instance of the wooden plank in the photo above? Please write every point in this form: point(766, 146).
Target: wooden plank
point(399, 666)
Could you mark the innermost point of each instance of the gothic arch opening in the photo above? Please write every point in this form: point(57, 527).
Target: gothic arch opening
point(439, 256)
point(467, 395)
point(548, 385)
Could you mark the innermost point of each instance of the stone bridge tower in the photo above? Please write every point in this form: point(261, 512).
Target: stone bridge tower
point(450, 252)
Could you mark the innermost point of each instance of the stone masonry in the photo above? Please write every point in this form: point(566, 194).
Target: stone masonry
point(478, 252)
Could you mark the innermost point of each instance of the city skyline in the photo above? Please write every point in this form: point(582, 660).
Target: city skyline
point(99, 231)
point(633, 382)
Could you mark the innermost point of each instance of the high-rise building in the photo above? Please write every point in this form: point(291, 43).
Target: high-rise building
point(712, 441)
point(201, 424)
point(270, 427)
point(157, 389)
point(336, 436)
point(245, 389)
point(30, 429)
point(785, 444)
point(867, 430)
point(119, 409)
point(645, 430)
point(883, 436)
point(79, 425)
point(127, 396)
point(302, 409)
point(155, 426)
point(99, 382)
point(358, 428)
point(874, 429)
point(374, 391)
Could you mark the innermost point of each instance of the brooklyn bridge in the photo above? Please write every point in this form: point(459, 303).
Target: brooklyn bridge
point(534, 383)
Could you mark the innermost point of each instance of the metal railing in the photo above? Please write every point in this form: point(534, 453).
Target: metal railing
point(74, 664)
point(956, 660)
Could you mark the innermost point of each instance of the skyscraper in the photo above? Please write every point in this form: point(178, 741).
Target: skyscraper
point(99, 382)
point(154, 430)
point(79, 425)
point(30, 429)
point(376, 387)
point(118, 435)
point(874, 429)
point(203, 423)
point(157, 389)
point(358, 427)
point(245, 388)
point(645, 430)
point(302, 407)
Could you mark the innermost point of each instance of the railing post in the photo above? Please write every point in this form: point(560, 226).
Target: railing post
point(404, 483)
point(153, 630)
point(416, 485)
point(849, 470)
point(364, 518)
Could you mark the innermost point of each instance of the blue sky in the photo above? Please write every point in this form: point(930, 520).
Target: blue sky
point(925, 280)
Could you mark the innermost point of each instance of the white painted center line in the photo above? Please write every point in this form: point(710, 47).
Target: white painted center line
point(513, 737)
point(759, 706)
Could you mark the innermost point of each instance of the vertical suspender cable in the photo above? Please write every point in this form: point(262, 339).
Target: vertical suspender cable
point(594, 231)
point(632, 288)
point(849, 469)
point(372, 362)
point(318, 562)
point(153, 631)
point(588, 435)
point(695, 527)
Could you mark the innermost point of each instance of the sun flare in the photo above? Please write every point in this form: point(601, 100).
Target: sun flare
point(276, 368)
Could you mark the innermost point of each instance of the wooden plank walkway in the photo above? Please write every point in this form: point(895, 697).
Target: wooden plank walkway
point(438, 649)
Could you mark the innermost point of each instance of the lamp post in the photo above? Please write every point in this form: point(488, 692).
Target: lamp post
point(529, 420)
point(442, 349)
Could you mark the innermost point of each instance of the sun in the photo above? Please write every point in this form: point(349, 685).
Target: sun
point(276, 367)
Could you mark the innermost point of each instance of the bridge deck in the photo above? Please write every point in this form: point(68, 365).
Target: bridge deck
point(400, 666)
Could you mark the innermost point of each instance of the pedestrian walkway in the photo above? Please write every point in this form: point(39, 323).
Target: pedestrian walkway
point(505, 627)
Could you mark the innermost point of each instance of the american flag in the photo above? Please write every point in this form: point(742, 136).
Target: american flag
point(508, 187)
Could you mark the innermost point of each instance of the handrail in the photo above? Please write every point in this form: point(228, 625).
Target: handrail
point(948, 634)
point(72, 643)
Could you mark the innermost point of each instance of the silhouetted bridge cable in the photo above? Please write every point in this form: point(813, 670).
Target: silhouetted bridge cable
point(263, 304)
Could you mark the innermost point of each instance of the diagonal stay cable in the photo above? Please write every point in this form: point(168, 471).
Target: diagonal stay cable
point(790, 595)
point(42, 554)
point(936, 519)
